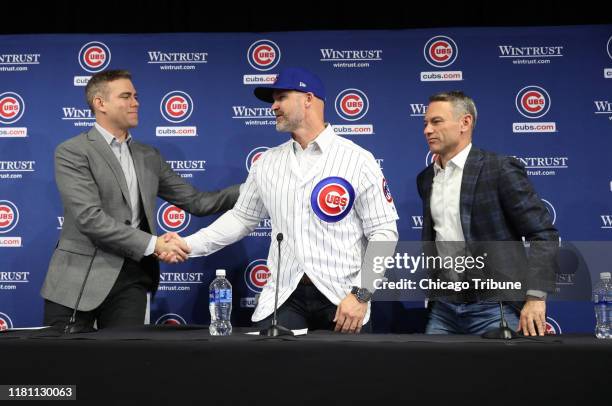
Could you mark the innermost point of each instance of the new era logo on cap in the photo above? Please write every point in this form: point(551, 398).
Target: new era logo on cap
point(292, 79)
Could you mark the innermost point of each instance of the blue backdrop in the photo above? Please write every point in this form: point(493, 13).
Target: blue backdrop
point(544, 95)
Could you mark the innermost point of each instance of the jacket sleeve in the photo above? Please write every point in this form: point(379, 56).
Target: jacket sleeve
point(529, 216)
point(175, 190)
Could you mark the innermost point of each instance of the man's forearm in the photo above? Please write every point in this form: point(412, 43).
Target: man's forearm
point(226, 230)
point(381, 243)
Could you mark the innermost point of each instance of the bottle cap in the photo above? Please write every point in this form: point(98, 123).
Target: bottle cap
point(220, 272)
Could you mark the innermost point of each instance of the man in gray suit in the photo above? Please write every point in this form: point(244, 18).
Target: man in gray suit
point(108, 183)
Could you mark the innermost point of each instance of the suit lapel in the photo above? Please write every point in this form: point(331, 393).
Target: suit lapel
point(428, 231)
point(471, 171)
point(100, 145)
point(138, 157)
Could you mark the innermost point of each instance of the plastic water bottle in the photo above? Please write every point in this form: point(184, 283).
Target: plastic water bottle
point(220, 305)
point(602, 298)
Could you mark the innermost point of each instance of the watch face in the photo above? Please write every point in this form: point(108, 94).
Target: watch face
point(364, 295)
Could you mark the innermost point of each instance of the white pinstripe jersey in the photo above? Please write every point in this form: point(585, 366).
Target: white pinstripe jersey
point(330, 253)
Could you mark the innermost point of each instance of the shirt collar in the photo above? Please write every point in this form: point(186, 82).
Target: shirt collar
point(322, 141)
point(110, 138)
point(458, 160)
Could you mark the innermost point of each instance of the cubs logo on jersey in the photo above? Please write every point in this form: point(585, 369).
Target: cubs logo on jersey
point(386, 190)
point(332, 199)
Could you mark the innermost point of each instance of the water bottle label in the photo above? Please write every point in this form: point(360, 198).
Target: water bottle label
point(220, 296)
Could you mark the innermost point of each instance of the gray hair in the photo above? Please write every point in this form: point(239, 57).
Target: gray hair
point(97, 84)
point(462, 103)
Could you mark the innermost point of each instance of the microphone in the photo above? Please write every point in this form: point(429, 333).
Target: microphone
point(275, 329)
point(503, 332)
point(71, 327)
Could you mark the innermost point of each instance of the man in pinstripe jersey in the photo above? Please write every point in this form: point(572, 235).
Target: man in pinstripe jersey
point(329, 199)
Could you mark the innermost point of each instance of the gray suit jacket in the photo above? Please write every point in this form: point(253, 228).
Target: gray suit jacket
point(97, 215)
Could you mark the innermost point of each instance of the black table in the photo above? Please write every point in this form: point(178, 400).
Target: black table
point(181, 365)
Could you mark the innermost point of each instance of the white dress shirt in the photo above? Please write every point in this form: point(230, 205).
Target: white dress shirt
point(445, 194)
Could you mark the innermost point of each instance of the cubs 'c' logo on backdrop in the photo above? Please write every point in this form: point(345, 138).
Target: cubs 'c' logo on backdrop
point(430, 158)
point(609, 47)
point(176, 106)
point(9, 216)
point(386, 190)
point(254, 156)
point(440, 51)
point(332, 199)
point(11, 107)
point(263, 55)
point(172, 219)
point(532, 101)
point(351, 104)
point(94, 57)
point(551, 210)
point(171, 319)
point(552, 327)
point(5, 322)
point(256, 275)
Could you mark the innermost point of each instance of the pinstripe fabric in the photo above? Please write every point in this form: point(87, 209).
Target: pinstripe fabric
point(329, 253)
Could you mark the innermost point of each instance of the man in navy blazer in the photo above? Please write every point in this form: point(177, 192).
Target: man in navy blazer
point(474, 197)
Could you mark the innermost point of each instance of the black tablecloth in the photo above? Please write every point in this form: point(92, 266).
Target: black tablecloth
point(178, 365)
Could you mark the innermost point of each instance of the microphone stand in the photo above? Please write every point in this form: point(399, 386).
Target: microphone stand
point(503, 332)
point(71, 327)
point(276, 330)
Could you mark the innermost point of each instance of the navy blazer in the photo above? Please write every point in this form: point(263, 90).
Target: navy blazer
point(498, 203)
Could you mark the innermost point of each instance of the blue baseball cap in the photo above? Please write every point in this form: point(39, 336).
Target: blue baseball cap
point(292, 79)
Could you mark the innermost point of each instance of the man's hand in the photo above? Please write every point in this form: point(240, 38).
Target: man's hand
point(171, 248)
point(533, 317)
point(350, 314)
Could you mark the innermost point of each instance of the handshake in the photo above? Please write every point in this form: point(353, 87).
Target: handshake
point(171, 248)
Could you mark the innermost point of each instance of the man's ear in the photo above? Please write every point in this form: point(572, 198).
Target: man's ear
point(467, 121)
point(309, 97)
point(98, 103)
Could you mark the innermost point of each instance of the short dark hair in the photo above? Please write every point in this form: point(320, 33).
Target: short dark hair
point(97, 83)
point(461, 103)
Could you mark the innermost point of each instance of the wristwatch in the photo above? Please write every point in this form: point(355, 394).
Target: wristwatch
point(362, 294)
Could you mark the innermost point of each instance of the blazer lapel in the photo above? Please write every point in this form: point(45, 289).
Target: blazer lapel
point(100, 145)
point(138, 157)
point(471, 171)
point(428, 231)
